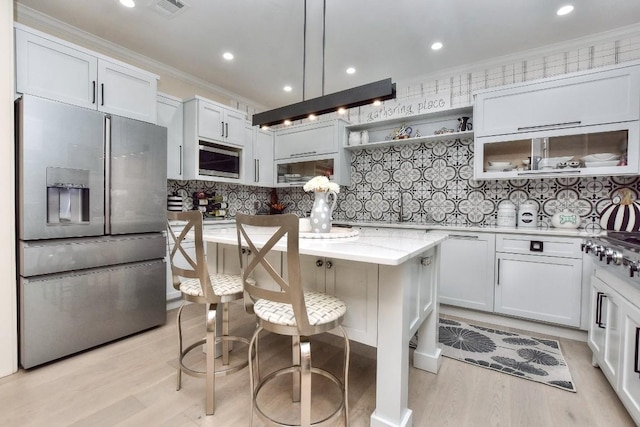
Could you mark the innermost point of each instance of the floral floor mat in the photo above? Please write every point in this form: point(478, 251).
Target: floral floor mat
point(535, 359)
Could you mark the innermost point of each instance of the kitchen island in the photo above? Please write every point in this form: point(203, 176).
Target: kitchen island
point(398, 300)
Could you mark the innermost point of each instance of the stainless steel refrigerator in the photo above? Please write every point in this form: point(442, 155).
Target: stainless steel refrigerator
point(91, 221)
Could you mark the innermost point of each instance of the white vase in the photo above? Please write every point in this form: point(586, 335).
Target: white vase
point(364, 137)
point(321, 211)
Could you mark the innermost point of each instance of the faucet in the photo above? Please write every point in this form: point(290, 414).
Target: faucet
point(401, 207)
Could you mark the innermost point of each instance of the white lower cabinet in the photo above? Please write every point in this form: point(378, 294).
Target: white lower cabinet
point(614, 336)
point(605, 328)
point(629, 391)
point(539, 278)
point(466, 270)
point(355, 283)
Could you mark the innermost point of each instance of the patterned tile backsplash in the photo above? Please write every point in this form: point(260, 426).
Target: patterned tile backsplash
point(435, 181)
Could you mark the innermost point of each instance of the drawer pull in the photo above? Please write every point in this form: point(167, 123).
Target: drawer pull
point(536, 246)
point(462, 236)
point(600, 296)
point(549, 125)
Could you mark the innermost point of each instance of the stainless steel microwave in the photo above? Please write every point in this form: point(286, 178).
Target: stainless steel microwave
point(219, 160)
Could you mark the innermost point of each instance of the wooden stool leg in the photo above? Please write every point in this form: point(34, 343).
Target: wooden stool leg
point(211, 360)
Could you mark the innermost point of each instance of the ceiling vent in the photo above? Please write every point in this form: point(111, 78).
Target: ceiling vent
point(169, 8)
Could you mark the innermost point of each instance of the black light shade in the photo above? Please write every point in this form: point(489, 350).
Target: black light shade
point(350, 98)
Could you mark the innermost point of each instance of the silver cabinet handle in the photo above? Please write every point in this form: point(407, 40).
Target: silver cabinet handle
point(222, 129)
point(226, 130)
point(463, 236)
point(258, 169)
point(93, 91)
point(308, 153)
point(541, 171)
point(180, 165)
point(329, 264)
point(319, 263)
point(102, 93)
point(549, 125)
point(498, 279)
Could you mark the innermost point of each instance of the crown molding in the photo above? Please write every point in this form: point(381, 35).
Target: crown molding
point(581, 42)
point(26, 15)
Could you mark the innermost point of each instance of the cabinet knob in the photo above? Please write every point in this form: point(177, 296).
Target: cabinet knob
point(329, 264)
point(425, 261)
point(319, 263)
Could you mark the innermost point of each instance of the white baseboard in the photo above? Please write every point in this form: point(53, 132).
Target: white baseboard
point(510, 322)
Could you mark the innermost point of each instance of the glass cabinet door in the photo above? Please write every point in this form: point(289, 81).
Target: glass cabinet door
point(599, 150)
point(298, 173)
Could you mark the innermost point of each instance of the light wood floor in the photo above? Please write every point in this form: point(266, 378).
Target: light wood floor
point(132, 383)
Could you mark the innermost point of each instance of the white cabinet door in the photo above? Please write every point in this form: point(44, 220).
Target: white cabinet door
point(55, 71)
point(169, 112)
point(220, 124)
point(629, 391)
point(263, 159)
point(606, 329)
point(356, 283)
point(353, 282)
point(585, 99)
point(466, 270)
point(210, 121)
point(234, 127)
point(309, 140)
point(126, 92)
point(539, 287)
point(596, 338)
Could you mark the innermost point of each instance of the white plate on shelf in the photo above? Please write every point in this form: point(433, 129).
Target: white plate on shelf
point(601, 157)
point(601, 164)
point(500, 168)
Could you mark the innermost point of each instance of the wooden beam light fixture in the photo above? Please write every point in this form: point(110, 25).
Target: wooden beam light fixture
point(350, 98)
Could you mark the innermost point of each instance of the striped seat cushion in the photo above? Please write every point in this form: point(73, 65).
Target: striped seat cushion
point(321, 308)
point(223, 284)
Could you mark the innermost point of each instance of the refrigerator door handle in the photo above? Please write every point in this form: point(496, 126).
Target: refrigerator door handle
point(107, 174)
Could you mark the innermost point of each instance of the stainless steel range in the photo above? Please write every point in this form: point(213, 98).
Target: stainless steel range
point(618, 252)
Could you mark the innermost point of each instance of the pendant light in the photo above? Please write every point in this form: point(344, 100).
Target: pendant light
point(381, 90)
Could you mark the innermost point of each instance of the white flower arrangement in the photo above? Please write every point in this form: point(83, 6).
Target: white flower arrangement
point(321, 183)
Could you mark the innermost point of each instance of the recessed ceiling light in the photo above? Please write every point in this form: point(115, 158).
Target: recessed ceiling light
point(436, 46)
point(287, 88)
point(128, 3)
point(351, 70)
point(228, 56)
point(565, 10)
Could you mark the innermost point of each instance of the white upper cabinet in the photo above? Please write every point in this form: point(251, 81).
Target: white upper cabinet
point(312, 149)
point(54, 69)
point(583, 124)
point(585, 99)
point(260, 161)
point(219, 123)
point(170, 112)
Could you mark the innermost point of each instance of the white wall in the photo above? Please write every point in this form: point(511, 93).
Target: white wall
point(8, 300)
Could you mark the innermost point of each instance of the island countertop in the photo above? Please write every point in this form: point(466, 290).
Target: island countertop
point(386, 247)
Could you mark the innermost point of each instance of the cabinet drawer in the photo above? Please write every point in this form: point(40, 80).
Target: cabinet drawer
point(564, 247)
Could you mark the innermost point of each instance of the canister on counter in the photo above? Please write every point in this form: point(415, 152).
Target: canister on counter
point(506, 215)
point(528, 215)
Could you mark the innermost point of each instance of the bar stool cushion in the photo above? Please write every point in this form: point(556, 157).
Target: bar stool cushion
point(321, 308)
point(223, 284)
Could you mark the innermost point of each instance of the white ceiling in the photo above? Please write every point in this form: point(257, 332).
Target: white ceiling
point(380, 38)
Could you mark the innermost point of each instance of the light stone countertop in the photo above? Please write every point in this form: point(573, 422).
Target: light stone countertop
point(560, 232)
point(387, 247)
